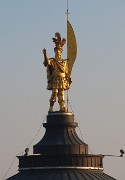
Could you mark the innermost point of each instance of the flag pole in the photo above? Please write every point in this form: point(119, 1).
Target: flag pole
point(67, 10)
point(67, 13)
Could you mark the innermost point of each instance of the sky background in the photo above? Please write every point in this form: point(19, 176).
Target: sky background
point(97, 94)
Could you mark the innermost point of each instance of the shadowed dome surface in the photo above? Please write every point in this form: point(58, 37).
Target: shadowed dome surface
point(61, 154)
point(62, 176)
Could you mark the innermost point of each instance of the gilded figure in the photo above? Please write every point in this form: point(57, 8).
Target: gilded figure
point(57, 73)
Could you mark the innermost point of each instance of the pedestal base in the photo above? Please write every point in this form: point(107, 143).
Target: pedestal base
point(60, 137)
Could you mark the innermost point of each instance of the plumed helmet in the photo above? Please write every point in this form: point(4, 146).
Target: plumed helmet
point(58, 42)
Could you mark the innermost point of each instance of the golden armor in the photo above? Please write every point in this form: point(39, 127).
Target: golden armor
point(57, 74)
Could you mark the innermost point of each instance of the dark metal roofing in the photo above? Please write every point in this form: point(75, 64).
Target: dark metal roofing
point(60, 136)
point(61, 154)
point(61, 176)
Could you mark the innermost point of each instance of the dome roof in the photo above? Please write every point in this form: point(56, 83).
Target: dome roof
point(61, 154)
point(50, 175)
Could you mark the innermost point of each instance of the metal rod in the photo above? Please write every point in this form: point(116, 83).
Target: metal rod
point(67, 102)
point(67, 10)
point(112, 155)
point(67, 54)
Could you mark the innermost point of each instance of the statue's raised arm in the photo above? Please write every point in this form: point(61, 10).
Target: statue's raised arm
point(45, 57)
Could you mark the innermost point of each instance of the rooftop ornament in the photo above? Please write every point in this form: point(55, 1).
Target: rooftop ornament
point(58, 69)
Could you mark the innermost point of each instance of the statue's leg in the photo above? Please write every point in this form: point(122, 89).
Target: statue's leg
point(61, 100)
point(53, 99)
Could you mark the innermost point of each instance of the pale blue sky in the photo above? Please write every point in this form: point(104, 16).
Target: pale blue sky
point(97, 94)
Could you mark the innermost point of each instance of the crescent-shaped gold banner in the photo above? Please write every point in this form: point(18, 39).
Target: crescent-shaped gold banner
point(71, 47)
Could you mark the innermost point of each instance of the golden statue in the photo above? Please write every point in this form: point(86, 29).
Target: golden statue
point(59, 70)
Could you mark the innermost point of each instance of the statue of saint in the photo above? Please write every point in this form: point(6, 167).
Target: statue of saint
point(57, 73)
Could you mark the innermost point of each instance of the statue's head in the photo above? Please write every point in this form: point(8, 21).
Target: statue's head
point(58, 44)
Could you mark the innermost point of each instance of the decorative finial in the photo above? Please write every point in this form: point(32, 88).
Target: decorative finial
point(58, 69)
point(26, 152)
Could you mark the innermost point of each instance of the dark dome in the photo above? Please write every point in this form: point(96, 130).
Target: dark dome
point(50, 175)
point(61, 154)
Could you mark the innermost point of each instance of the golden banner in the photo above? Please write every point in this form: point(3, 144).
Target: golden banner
point(71, 47)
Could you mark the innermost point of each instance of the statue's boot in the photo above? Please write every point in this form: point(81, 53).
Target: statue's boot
point(62, 107)
point(51, 106)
